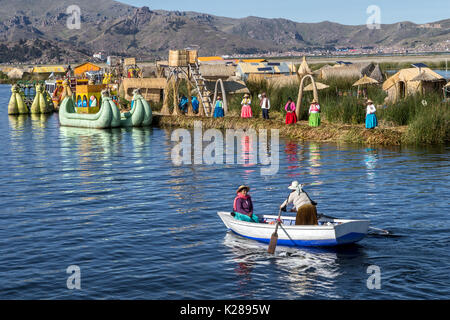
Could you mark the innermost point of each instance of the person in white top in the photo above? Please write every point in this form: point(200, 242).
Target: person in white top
point(302, 204)
point(371, 118)
point(265, 105)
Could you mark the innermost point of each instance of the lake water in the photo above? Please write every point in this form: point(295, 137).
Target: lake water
point(112, 203)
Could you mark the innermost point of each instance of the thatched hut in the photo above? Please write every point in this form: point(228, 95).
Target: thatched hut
point(152, 89)
point(412, 81)
point(303, 69)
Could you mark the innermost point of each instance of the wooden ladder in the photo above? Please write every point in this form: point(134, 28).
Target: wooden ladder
point(200, 84)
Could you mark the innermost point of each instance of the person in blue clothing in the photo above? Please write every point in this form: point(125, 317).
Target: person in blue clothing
point(183, 104)
point(218, 109)
point(195, 103)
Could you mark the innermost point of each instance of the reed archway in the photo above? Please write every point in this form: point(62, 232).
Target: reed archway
point(224, 96)
point(300, 92)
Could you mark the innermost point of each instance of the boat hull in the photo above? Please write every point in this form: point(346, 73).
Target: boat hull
point(337, 232)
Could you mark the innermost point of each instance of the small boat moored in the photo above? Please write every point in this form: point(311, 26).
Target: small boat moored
point(329, 232)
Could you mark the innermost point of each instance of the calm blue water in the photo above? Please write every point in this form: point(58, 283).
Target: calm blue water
point(112, 203)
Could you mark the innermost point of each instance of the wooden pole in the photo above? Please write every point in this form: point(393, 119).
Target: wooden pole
point(190, 109)
point(175, 97)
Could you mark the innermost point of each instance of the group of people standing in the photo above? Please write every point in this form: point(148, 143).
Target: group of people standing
point(291, 117)
point(290, 108)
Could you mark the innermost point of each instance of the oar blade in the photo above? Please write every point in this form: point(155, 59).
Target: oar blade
point(273, 243)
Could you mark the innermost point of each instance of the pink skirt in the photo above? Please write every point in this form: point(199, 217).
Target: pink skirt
point(246, 111)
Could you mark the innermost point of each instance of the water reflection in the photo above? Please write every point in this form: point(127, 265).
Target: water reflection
point(39, 121)
point(307, 272)
point(370, 160)
point(293, 160)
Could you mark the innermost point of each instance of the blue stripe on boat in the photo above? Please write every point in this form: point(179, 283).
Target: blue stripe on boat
point(348, 238)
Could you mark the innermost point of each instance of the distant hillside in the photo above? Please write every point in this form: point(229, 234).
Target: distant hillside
point(118, 28)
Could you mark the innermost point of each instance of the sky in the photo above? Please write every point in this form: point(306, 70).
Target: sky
point(349, 12)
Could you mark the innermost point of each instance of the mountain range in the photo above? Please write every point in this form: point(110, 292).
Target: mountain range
point(36, 32)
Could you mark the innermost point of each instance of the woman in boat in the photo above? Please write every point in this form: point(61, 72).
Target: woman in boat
point(303, 205)
point(243, 205)
point(218, 109)
point(371, 118)
point(314, 114)
point(246, 111)
point(291, 117)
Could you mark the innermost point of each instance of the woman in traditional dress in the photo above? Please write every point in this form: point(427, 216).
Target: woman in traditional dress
point(246, 111)
point(218, 109)
point(243, 205)
point(314, 114)
point(291, 117)
point(371, 118)
point(302, 204)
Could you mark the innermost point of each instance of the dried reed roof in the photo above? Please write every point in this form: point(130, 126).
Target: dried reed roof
point(319, 86)
point(407, 75)
point(15, 73)
point(283, 81)
point(217, 70)
point(347, 71)
point(365, 80)
point(231, 87)
point(304, 68)
point(377, 74)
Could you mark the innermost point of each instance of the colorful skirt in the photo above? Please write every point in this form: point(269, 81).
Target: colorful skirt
point(246, 111)
point(218, 112)
point(371, 121)
point(291, 118)
point(314, 119)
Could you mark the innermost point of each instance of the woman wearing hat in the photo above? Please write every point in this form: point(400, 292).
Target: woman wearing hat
point(371, 118)
point(314, 114)
point(303, 205)
point(246, 111)
point(291, 117)
point(218, 109)
point(243, 205)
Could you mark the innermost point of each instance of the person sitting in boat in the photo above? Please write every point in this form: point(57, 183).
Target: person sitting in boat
point(243, 205)
point(303, 205)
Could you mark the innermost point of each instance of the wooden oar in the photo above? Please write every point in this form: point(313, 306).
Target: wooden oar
point(274, 237)
point(386, 232)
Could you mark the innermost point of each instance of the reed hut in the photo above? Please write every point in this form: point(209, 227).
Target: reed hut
point(303, 69)
point(152, 89)
point(412, 81)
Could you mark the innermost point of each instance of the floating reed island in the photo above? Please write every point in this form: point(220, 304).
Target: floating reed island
point(327, 132)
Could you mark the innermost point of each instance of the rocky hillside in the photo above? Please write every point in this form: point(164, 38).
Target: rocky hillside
point(116, 28)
